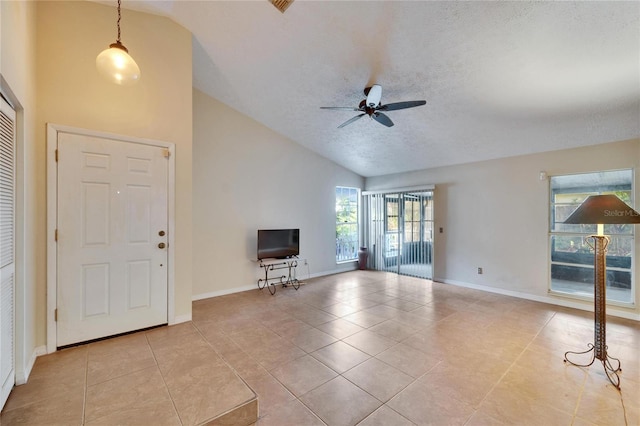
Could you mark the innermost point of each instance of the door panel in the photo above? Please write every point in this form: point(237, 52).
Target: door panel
point(95, 290)
point(95, 214)
point(112, 204)
point(139, 284)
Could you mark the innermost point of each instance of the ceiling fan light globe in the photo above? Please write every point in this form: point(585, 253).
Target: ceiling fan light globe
point(117, 66)
point(374, 96)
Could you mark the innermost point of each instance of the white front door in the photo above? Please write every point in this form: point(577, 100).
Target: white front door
point(112, 237)
point(7, 250)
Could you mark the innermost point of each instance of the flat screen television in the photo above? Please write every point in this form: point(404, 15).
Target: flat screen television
point(278, 243)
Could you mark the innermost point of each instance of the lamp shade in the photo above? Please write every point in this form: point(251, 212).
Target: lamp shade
point(116, 65)
point(603, 209)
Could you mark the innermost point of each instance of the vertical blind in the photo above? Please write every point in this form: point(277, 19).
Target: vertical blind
point(398, 231)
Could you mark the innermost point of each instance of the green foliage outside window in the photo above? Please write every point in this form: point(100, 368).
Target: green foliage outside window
point(347, 205)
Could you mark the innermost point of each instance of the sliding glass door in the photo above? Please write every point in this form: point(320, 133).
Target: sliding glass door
point(400, 232)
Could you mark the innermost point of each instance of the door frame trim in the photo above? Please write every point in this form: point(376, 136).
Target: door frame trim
point(52, 219)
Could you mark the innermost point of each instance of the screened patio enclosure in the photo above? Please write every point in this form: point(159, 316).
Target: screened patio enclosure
point(571, 256)
point(399, 231)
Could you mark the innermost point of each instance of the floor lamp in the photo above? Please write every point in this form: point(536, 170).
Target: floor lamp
point(601, 210)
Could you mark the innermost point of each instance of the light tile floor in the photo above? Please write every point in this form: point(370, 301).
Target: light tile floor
point(364, 347)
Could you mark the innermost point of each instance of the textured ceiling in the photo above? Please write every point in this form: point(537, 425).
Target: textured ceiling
point(500, 78)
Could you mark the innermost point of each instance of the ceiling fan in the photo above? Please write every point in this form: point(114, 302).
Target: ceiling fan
point(372, 107)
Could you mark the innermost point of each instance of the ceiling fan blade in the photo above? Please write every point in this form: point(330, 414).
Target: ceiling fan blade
point(357, 117)
point(382, 119)
point(374, 95)
point(342, 108)
point(401, 105)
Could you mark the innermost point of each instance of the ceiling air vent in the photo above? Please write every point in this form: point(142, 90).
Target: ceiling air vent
point(281, 5)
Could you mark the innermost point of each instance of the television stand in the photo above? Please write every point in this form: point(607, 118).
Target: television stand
point(270, 265)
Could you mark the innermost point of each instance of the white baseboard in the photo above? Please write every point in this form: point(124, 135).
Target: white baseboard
point(350, 267)
point(224, 292)
point(301, 277)
point(611, 310)
point(23, 376)
point(180, 319)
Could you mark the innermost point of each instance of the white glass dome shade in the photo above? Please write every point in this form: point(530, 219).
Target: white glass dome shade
point(117, 66)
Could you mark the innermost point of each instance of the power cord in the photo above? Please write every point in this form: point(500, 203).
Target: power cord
point(624, 409)
point(306, 262)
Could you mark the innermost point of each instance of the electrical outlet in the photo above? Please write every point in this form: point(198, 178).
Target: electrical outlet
point(479, 270)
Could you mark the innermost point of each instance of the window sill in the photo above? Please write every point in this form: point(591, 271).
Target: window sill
point(342, 262)
point(589, 298)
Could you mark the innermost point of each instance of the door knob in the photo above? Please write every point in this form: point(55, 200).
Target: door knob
point(162, 245)
point(161, 233)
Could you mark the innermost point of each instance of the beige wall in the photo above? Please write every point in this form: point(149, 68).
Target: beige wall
point(71, 93)
point(247, 177)
point(18, 78)
point(495, 215)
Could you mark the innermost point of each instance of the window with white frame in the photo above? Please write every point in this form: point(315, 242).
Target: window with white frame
point(571, 261)
point(347, 230)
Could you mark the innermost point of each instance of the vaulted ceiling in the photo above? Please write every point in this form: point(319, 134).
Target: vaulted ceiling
point(500, 78)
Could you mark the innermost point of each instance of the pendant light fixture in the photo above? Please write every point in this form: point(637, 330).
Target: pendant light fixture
point(115, 64)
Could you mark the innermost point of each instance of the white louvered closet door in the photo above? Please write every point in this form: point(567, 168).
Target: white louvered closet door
point(7, 249)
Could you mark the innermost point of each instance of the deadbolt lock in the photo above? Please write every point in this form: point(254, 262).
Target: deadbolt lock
point(162, 245)
point(161, 233)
